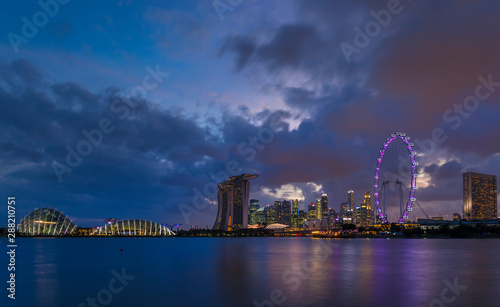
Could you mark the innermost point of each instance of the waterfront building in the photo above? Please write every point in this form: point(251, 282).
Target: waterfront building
point(295, 213)
point(260, 216)
point(479, 196)
point(302, 218)
point(324, 206)
point(350, 198)
point(364, 213)
point(312, 212)
point(347, 209)
point(233, 196)
point(319, 212)
point(270, 214)
point(134, 228)
point(252, 210)
point(278, 209)
point(46, 222)
point(286, 209)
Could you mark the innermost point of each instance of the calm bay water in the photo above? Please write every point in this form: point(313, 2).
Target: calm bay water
point(246, 271)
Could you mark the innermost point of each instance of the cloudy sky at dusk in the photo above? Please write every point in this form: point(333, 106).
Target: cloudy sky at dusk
point(182, 92)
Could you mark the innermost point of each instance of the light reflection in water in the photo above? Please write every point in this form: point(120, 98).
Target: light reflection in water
point(239, 271)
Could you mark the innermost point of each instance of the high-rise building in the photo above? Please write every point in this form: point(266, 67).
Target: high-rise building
point(344, 209)
point(286, 209)
point(324, 206)
point(367, 202)
point(332, 218)
point(364, 213)
point(295, 213)
point(312, 213)
point(233, 195)
point(347, 215)
point(252, 209)
point(319, 212)
point(480, 196)
point(350, 198)
point(302, 218)
point(260, 216)
point(270, 214)
point(278, 211)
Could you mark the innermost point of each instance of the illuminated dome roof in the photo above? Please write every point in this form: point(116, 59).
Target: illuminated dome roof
point(45, 222)
point(277, 226)
point(133, 228)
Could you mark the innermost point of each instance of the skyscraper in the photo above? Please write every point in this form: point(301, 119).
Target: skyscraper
point(324, 206)
point(260, 216)
point(286, 208)
point(318, 208)
point(252, 209)
point(364, 214)
point(480, 196)
point(312, 213)
point(270, 214)
point(350, 198)
point(278, 209)
point(233, 197)
point(347, 209)
point(295, 213)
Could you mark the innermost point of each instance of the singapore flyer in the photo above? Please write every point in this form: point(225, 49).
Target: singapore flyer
point(395, 180)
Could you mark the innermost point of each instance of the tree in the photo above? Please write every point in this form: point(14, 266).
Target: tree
point(395, 228)
point(444, 229)
point(348, 227)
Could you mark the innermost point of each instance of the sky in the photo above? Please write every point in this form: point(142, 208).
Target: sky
point(136, 109)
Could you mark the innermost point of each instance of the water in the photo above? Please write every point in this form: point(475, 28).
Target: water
point(245, 271)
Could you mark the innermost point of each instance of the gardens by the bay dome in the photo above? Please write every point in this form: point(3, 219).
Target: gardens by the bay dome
point(46, 222)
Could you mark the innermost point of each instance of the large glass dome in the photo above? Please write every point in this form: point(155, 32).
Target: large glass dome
point(133, 228)
point(46, 222)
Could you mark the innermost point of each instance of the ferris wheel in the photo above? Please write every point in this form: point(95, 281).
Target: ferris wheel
point(395, 179)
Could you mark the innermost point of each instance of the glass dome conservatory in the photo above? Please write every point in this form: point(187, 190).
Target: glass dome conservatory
point(133, 228)
point(46, 222)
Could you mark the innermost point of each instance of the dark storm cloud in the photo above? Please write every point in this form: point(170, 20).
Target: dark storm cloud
point(427, 60)
point(130, 168)
point(452, 169)
point(291, 45)
point(445, 182)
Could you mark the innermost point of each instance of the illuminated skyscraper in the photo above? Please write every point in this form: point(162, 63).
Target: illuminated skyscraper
point(347, 209)
point(295, 207)
point(324, 206)
point(480, 196)
point(233, 195)
point(295, 213)
point(312, 213)
point(286, 208)
point(364, 213)
point(278, 209)
point(350, 198)
point(252, 209)
point(260, 216)
point(270, 214)
point(319, 212)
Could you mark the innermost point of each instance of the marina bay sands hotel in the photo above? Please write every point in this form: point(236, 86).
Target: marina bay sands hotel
point(233, 196)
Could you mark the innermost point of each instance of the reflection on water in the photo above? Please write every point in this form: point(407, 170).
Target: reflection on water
point(259, 271)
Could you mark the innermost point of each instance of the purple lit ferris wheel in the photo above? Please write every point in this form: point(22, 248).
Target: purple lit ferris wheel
point(395, 179)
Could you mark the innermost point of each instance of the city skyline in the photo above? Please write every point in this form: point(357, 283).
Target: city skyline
point(138, 110)
point(250, 152)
